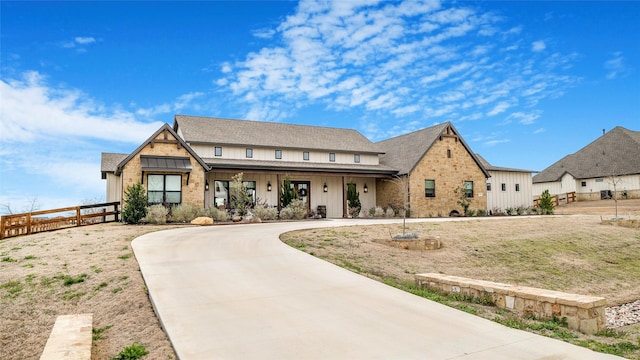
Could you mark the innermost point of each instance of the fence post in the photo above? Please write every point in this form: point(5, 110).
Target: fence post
point(28, 217)
point(116, 211)
point(78, 216)
point(1, 227)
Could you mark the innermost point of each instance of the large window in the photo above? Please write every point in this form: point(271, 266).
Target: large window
point(468, 188)
point(251, 190)
point(164, 189)
point(430, 188)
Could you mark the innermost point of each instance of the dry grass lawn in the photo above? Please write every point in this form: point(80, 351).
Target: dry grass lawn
point(92, 269)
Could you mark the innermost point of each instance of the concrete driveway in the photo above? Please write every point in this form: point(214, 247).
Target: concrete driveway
point(237, 292)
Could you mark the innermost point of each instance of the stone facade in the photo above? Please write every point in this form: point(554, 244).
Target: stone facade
point(192, 193)
point(448, 163)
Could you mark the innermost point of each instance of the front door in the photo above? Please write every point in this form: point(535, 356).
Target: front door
point(302, 189)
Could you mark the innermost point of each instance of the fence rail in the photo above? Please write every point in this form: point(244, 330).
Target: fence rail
point(34, 222)
point(558, 199)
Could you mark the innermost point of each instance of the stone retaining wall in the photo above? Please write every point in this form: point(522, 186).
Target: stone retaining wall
point(583, 313)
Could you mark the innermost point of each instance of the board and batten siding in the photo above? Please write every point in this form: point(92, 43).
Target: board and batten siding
point(510, 198)
point(114, 188)
point(293, 155)
point(566, 185)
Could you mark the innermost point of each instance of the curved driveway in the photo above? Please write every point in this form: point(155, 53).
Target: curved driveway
point(237, 292)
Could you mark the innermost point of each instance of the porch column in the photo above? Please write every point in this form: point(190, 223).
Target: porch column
point(345, 206)
point(278, 188)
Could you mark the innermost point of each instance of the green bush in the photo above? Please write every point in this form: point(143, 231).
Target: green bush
point(217, 214)
point(288, 193)
point(184, 213)
point(482, 212)
point(545, 203)
point(265, 213)
point(135, 207)
point(296, 210)
point(132, 352)
point(156, 214)
point(353, 199)
point(470, 212)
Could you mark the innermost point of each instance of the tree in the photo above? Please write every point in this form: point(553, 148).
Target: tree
point(288, 193)
point(614, 181)
point(353, 200)
point(240, 199)
point(545, 203)
point(135, 207)
point(463, 199)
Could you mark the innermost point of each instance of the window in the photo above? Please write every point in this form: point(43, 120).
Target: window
point(584, 184)
point(332, 157)
point(517, 187)
point(218, 151)
point(164, 189)
point(251, 190)
point(449, 153)
point(305, 156)
point(504, 187)
point(468, 188)
point(356, 158)
point(249, 153)
point(488, 186)
point(430, 188)
point(278, 154)
point(599, 180)
point(221, 193)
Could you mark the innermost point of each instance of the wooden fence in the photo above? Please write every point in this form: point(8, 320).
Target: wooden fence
point(558, 199)
point(34, 222)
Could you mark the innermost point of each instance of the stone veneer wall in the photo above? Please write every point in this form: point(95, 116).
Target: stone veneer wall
point(583, 313)
point(449, 173)
point(193, 193)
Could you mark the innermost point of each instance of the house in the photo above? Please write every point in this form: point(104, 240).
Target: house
point(194, 161)
point(508, 187)
point(592, 172)
point(434, 162)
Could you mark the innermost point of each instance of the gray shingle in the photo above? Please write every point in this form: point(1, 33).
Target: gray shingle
point(490, 167)
point(196, 129)
point(110, 161)
point(614, 153)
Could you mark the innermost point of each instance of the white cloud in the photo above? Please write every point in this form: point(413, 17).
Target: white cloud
point(616, 66)
point(524, 118)
point(84, 40)
point(31, 110)
point(407, 58)
point(539, 131)
point(538, 46)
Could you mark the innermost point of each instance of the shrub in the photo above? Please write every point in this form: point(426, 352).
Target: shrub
point(240, 199)
point(132, 352)
point(482, 212)
point(217, 214)
point(297, 209)
point(470, 212)
point(135, 207)
point(288, 193)
point(372, 212)
point(389, 213)
point(545, 203)
point(353, 199)
point(265, 213)
point(509, 211)
point(379, 212)
point(156, 214)
point(184, 213)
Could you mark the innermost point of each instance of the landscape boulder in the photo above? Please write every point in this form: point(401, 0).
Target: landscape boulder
point(203, 220)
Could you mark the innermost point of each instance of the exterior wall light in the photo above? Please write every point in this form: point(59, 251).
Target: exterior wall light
point(366, 189)
point(206, 185)
point(325, 188)
point(269, 186)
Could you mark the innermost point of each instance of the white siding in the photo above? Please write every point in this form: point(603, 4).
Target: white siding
point(293, 155)
point(510, 198)
point(631, 182)
point(114, 188)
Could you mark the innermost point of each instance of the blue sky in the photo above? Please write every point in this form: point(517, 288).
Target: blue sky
point(525, 83)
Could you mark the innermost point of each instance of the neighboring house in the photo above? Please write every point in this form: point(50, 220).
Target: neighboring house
point(507, 187)
point(194, 161)
point(434, 162)
point(592, 171)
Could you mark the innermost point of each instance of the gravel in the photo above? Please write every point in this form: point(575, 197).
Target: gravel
point(622, 315)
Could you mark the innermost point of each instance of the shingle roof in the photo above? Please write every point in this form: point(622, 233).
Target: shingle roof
point(196, 129)
point(490, 167)
point(405, 151)
point(614, 153)
point(110, 161)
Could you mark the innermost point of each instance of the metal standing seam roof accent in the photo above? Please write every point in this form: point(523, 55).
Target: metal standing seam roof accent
point(274, 165)
point(165, 163)
point(197, 129)
point(614, 153)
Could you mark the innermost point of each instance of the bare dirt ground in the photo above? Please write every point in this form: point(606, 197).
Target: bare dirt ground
point(35, 268)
